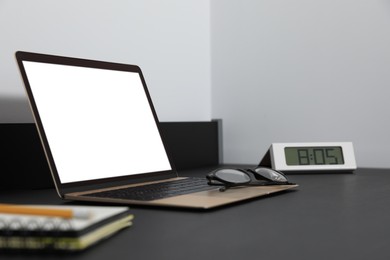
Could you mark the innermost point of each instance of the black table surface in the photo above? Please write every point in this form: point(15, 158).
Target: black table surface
point(329, 216)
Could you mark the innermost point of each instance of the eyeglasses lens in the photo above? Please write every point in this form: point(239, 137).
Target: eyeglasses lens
point(232, 176)
point(271, 174)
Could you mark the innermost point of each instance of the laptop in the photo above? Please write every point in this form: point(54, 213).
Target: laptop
point(102, 140)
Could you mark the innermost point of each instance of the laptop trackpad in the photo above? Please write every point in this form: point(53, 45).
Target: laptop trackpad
point(213, 198)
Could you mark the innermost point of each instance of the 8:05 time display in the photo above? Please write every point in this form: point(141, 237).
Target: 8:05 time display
point(310, 157)
point(327, 155)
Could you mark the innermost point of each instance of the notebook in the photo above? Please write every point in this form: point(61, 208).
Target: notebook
point(30, 232)
point(100, 133)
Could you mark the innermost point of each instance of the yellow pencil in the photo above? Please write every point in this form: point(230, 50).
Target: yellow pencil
point(42, 211)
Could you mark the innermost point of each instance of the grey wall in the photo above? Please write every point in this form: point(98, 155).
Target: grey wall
point(273, 70)
point(169, 40)
point(302, 71)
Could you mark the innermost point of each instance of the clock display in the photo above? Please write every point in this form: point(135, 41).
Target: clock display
point(326, 155)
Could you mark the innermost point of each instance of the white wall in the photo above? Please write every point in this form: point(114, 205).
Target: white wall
point(169, 40)
point(301, 71)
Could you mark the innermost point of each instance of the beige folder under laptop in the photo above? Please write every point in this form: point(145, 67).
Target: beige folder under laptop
point(100, 132)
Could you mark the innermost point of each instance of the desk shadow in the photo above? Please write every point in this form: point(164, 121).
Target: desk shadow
point(15, 110)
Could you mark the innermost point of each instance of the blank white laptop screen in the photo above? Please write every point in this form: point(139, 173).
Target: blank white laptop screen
point(98, 122)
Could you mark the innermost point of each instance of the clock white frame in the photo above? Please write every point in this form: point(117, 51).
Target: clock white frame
point(278, 159)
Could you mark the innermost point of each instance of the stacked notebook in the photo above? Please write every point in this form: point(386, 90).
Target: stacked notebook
point(28, 232)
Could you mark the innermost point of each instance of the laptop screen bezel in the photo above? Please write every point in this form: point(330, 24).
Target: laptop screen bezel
point(63, 188)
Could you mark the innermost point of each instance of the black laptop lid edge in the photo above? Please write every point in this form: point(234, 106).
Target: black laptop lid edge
point(62, 188)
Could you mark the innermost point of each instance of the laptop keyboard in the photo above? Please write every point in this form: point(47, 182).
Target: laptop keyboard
point(157, 190)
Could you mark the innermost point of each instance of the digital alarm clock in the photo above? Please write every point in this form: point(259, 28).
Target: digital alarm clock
point(310, 157)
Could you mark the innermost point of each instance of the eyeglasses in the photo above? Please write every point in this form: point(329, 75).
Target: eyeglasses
point(260, 176)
